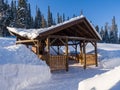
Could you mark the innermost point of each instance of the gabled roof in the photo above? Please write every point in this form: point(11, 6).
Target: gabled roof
point(75, 27)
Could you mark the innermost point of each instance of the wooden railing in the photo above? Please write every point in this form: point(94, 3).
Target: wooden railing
point(90, 59)
point(56, 62)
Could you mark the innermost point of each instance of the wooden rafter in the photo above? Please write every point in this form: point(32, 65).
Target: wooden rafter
point(84, 30)
point(90, 29)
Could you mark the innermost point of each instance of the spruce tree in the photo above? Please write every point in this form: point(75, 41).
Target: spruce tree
point(102, 33)
point(114, 31)
point(58, 18)
point(119, 39)
point(38, 18)
point(13, 14)
point(22, 14)
point(44, 23)
point(97, 28)
point(112, 39)
point(106, 36)
point(63, 17)
point(4, 18)
point(61, 20)
point(50, 18)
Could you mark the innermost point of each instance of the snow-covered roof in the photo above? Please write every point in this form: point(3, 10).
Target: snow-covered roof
point(33, 33)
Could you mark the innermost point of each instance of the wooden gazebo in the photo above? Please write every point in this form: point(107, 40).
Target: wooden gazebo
point(75, 32)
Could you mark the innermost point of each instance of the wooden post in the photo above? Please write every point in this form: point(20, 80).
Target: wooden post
point(37, 45)
point(58, 49)
point(48, 50)
point(66, 54)
point(81, 52)
point(84, 54)
point(17, 39)
point(96, 61)
point(76, 53)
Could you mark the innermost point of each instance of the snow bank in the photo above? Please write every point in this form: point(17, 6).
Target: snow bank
point(109, 56)
point(101, 82)
point(4, 42)
point(20, 68)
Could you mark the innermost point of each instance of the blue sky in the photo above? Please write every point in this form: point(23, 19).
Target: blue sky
point(97, 11)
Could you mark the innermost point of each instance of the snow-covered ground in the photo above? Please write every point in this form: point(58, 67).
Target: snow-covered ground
point(20, 69)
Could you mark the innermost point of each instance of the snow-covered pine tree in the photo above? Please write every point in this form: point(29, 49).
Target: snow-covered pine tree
point(102, 33)
point(4, 18)
point(13, 15)
point(112, 39)
point(106, 36)
point(114, 31)
point(22, 14)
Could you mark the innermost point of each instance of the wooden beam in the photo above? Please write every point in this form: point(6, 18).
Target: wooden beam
point(53, 41)
point(72, 38)
point(62, 41)
point(26, 41)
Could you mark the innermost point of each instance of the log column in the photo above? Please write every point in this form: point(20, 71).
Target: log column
point(66, 54)
point(48, 50)
point(96, 61)
point(84, 54)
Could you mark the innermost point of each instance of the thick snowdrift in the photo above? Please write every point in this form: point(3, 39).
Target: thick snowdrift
point(4, 42)
point(101, 82)
point(20, 68)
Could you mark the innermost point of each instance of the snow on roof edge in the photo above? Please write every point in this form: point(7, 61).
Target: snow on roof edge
point(94, 29)
point(33, 33)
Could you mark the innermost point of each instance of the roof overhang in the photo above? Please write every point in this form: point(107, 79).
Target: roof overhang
point(75, 27)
